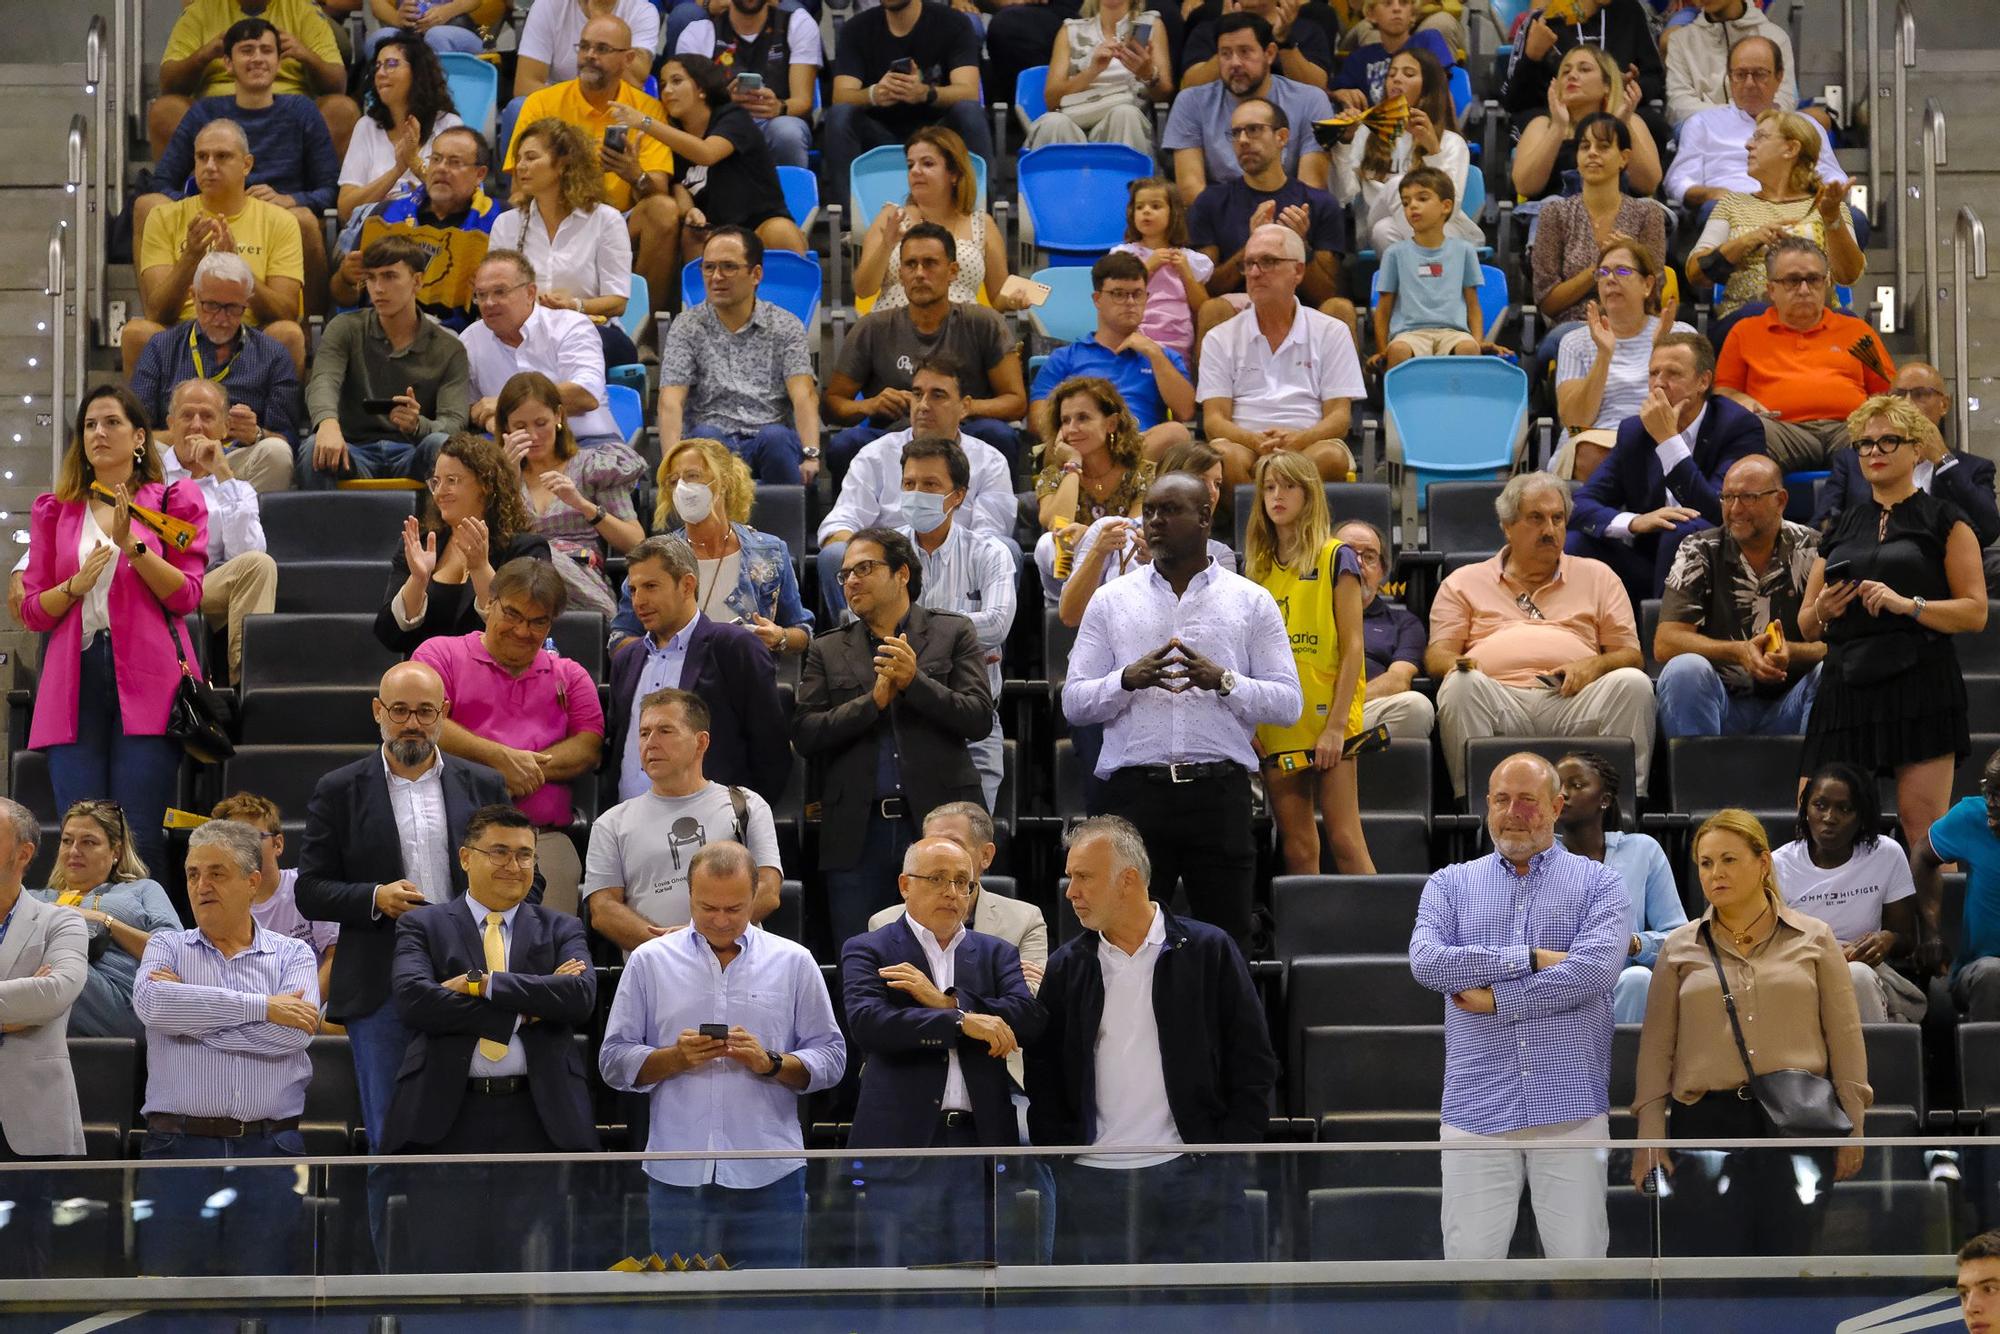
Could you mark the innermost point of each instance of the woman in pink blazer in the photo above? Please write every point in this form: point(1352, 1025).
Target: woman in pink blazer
point(105, 589)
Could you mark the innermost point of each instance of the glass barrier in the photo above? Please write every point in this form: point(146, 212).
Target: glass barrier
point(1375, 1235)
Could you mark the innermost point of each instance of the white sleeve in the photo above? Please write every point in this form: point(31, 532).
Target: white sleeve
point(538, 35)
point(364, 162)
point(1339, 366)
point(1573, 359)
point(644, 20)
point(1201, 264)
point(1691, 159)
point(858, 505)
point(614, 255)
point(1454, 159)
point(603, 868)
point(697, 39)
point(580, 356)
point(760, 834)
point(1217, 375)
point(994, 507)
point(806, 46)
point(1712, 235)
point(234, 516)
point(1896, 882)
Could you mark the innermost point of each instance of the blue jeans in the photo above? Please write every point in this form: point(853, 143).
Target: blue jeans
point(764, 1228)
point(138, 772)
point(790, 140)
point(1628, 993)
point(443, 37)
point(377, 1041)
point(1694, 702)
point(927, 1211)
point(378, 458)
point(196, 1228)
point(773, 452)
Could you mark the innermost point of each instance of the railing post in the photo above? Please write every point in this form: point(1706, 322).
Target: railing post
point(1847, 59)
point(1906, 57)
point(57, 292)
point(1934, 157)
point(100, 68)
point(1968, 261)
point(1875, 94)
point(122, 92)
point(84, 214)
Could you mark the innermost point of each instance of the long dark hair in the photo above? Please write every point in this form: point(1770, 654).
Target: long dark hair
point(1861, 790)
point(709, 78)
point(430, 94)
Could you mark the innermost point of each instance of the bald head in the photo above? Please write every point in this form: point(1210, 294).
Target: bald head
point(1753, 502)
point(1920, 382)
point(1753, 471)
point(410, 709)
point(1523, 798)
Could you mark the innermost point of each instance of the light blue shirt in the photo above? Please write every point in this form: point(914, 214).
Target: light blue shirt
point(1430, 285)
point(1655, 901)
point(773, 989)
point(664, 667)
point(210, 1049)
point(515, 1062)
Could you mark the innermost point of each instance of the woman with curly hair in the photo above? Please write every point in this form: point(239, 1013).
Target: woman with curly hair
point(408, 103)
point(1092, 470)
point(475, 523)
point(579, 499)
point(742, 574)
point(578, 243)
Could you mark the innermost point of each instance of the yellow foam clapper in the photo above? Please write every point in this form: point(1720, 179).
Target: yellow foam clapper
point(1387, 116)
point(629, 1266)
point(1774, 637)
point(174, 819)
point(1561, 11)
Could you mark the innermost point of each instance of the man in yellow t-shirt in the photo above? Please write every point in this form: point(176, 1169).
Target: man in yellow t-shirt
point(194, 65)
point(221, 215)
point(635, 181)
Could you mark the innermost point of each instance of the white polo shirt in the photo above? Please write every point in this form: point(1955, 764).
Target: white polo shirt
point(1286, 386)
point(561, 344)
point(1132, 1105)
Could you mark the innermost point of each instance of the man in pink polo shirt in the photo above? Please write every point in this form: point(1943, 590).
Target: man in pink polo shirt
point(1537, 643)
point(519, 708)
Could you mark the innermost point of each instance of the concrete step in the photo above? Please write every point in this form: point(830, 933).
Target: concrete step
point(26, 214)
point(37, 123)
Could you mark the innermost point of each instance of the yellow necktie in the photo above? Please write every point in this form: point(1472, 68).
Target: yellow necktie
point(496, 962)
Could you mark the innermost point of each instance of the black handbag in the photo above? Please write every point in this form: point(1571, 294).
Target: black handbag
point(1797, 1104)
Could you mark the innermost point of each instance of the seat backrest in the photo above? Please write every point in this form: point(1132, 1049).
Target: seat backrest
point(1031, 93)
point(1461, 516)
point(1979, 1067)
point(286, 774)
point(1493, 299)
point(333, 525)
point(627, 409)
point(1358, 989)
point(334, 1096)
point(1456, 415)
point(1057, 640)
point(1068, 314)
point(780, 510)
point(475, 87)
point(638, 307)
point(106, 1071)
point(1345, 501)
point(801, 189)
point(1393, 1068)
point(1896, 1065)
point(580, 636)
point(1396, 779)
point(1074, 194)
point(1460, 84)
point(1473, 200)
point(1484, 754)
point(881, 176)
point(329, 650)
point(1707, 773)
point(1343, 914)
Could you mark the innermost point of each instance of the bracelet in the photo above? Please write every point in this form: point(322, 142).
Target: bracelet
point(598, 517)
point(67, 593)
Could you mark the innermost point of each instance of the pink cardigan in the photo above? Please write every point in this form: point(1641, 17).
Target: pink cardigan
point(147, 669)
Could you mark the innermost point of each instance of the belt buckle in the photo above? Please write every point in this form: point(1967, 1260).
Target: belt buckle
point(1743, 1093)
point(242, 1128)
point(891, 808)
point(1174, 768)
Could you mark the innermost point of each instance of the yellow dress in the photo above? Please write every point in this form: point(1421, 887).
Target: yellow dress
point(1305, 600)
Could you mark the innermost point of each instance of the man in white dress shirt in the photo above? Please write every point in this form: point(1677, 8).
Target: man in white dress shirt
point(1710, 160)
point(1180, 662)
point(242, 580)
point(737, 1091)
point(515, 333)
point(871, 494)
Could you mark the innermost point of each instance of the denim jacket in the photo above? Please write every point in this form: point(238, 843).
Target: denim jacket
point(765, 586)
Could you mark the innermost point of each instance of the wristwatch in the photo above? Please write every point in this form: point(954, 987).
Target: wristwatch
point(598, 517)
point(138, 549)
point(810, 451)
point(1228, 684)
point(930, 95)
point(475, 981)
point(777, 1064)
point(1917, 611)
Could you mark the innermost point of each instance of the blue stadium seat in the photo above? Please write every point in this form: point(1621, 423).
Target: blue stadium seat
point(801, 189)
point(628, 410)
point(1073, 197)
point(881, 176)
point(1457, 418)
point(791, 282)
point(1031, 101)
point(475, 88)
point(637, 307)
point(1068, 314)
point(1460, 84)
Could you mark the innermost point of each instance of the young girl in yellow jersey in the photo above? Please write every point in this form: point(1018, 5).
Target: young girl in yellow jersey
point(1290, 550)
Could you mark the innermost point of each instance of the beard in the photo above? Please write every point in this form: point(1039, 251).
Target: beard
point(1518, 847)
point(410, 751)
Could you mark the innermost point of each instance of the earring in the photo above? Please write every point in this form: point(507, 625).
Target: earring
point(139, 458)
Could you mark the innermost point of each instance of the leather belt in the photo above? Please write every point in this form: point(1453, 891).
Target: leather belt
point(956, 1120)
point(1187, 773)
point(497, 1088)
point(216, 1127)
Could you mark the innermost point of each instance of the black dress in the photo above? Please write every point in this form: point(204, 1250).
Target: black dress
point(449, 609)
point(1890, 693)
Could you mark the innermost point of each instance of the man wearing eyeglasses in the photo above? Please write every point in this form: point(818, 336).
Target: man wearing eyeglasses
point(1661, 479)
point(1799, 365)
point(934, 1009)
point(516, 333)
point(1703, 62)
point(524, 710)
point(494, 990)
point(548, 50)
point(450, 214)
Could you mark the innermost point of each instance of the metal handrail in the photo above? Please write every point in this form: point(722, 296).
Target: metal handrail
point(57, 292)
point(83, 210)
point(1875, 93)
point(1934, 157)
point(1847, 57)
point(97, 78)
point(1906, 59)
point(1968, 252)
point(124, 85)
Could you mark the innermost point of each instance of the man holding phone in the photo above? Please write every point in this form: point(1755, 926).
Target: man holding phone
point(779, 54)
point(900, 67)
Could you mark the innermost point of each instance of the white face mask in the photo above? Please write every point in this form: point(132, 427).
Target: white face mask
point(693, 501)
point(924, 510)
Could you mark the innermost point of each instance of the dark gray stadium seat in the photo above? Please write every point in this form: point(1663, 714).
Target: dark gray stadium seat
point(1458, 560)
point(1357, 989)
point(1068, 782)
point(1757, 773)
point(107, 1073)
point(1649, 625)
point(308, 715)
point(1398, 844)
point(333, 1099)
point(789, 918)
point(30, 783)
point(1874, 1217)
point(1345, 501)
point(1460, 516)
point(580, 636)
point(330, 650)
point(1483, 755)
point(1344, 914)
point(1965, 782)
point(1978, 1075)
point(780, 510)
point(1375, 1223)
point(1982, 703)
point(1396, 779)
point(1349, 1070)
point(285, 774)
point(350, 586)
point(335, 525)
point(1057, 640)
point(1979, 653)
point(1896, 1073)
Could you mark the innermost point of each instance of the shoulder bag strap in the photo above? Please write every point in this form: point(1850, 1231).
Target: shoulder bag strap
point(173, 631)
point(1729, 1003)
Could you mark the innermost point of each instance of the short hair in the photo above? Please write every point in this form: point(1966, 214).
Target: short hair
point(501, 255)
point(1128, 848)
point(1985, 1246)
point(249, 808)
point(396, 250)
point(1777, 56)
point(1789, 244)
point(692, 706)
point(1904, 416)
point(897, 551)
point(497, 815)
point(753, 245)
point(1118, 265)
point(248, 30)
point(232, 128)
point(1643, 259)
point(931, 231)
point(197, 384)
point(1604, 127)
point(1696, 343)
point(482, 151)
point(241, 841)
point(226, 266)
point(1861, 790)
point(1239, 21)
point(1292, 243)
point(536, 580)
point(941, 447)
point(1431, 179)
point(28, 829)
point(1381, 540)
point(910, 853)
point(1279, 120)
point(945, 364)
point(1507, 505)
point(671, 551)
point(971, 812)
point(1194, 457)
point(726, 858)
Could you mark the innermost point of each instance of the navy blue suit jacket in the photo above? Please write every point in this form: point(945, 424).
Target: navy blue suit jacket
point(1967, 484)
point(905, 1044)
point(442, 941)
point(1631, 479)
point(749, 744)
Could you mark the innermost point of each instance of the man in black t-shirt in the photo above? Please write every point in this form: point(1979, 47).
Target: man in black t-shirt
point(900, 67)
point(1227, 211)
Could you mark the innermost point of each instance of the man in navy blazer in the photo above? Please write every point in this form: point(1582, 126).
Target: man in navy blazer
point(495, 991)
point(1663, 478)
point(378, 842)
point(934, 1010)
point(728, 666)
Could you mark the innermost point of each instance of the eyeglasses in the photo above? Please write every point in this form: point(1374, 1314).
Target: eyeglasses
point(1746, 497)
point(957, 884)
point(515, 620)
point(600, 49)
point(1127, 295)
point(1882, 444)
point(437, 484)
point(1262, 265)
point(722, 268)
point(1616, 271)
point(455, 163)
point(1801, 282)
point(1917, 391)
point(1752, 75)
point(861, 569)
point(233, 309)
point(496, 293)
point(1526, 603)
point(1248, 131)
point(499, 857)
point(389, 63)
point(427, 714)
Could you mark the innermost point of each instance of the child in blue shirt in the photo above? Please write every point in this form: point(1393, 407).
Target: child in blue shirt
point(1429, 285)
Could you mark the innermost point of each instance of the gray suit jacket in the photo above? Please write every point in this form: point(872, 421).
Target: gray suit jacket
point(38, 1108)
point(1015, 921)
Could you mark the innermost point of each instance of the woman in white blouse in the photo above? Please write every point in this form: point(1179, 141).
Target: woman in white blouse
point(1601, 368)
point(578, 244)
point(1374, 171)
point(409, 103)
point(1108, 67)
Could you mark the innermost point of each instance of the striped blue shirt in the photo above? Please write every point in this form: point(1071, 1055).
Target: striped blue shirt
point(210, 1051)
point(1544, 1056)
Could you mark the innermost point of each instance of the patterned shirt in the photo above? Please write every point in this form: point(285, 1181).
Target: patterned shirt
point(1476, 925)
point(210, 1049)
point(258, 373)
point(735, 380)
point(1712, 588)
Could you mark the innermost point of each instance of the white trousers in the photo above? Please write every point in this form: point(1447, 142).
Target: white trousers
point(1618, 703)
point(1482, 1191)
point(1409, 716)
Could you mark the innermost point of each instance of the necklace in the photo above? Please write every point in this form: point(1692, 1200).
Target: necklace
point(1743, 937)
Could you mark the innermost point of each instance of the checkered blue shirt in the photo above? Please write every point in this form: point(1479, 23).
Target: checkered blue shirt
point(1544, 1056)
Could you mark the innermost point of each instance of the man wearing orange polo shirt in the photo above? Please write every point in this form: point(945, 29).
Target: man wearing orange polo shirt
point(635, 179)
point(1535, 642)
point(1799, 365)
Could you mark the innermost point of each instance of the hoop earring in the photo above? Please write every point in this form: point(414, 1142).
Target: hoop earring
point(139, 458)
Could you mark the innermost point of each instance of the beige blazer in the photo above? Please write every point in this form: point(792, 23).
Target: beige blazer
point(38, 1108)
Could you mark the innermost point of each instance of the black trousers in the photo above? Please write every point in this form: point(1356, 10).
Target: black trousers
point(29, 1193)
point(484, 1219)
point(1197, 833)
point(1188, 1210)
point(931, 1211)
point(1739, 1203)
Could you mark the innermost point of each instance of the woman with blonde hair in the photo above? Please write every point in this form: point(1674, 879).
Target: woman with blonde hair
point(1748, 963)
point(1588, 81)
point(944, 189)
point(741, 574)
point(99, 876)
point(1291, 551)
point(1790, 200)
point(579, 499)
point(1109, 65)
